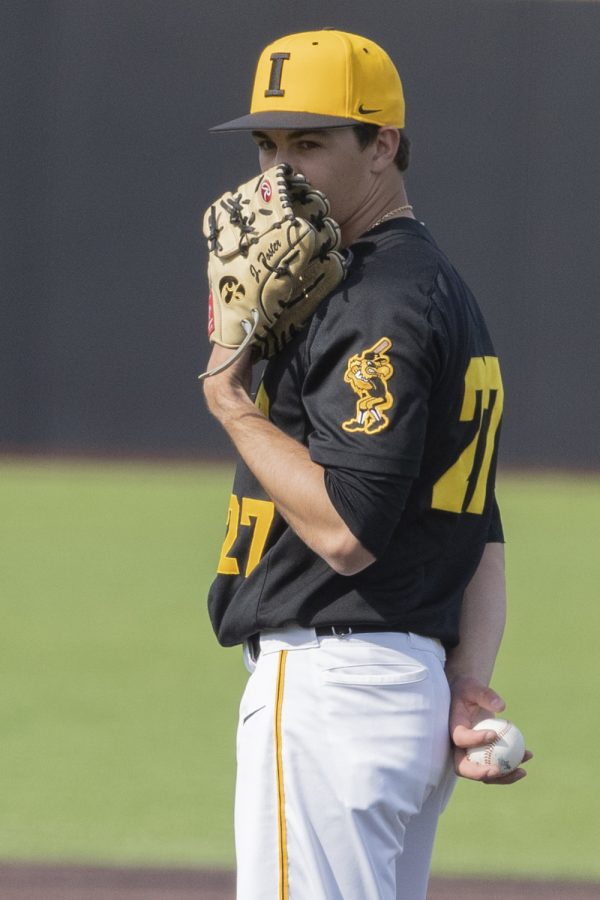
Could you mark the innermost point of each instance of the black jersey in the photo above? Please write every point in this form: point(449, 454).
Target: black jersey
point(395, 388)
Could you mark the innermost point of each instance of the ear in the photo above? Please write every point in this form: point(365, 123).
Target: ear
point(384, 148)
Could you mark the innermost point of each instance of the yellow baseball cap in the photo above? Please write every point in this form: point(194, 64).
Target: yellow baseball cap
point(322, 79)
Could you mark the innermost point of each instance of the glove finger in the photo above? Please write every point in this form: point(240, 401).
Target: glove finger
point(312, 206)
point(329, 237)
point(238, 219)
point(297, 182)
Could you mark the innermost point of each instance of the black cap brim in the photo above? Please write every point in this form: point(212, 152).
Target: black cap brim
point(286, 120)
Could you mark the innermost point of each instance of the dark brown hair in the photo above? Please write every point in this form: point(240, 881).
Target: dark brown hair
point(366, 134)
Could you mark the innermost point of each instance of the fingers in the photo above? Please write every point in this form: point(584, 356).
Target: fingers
point(469, 698)
point(511, 778)
point(463, 736)
point(477, 694)
point(487, 774)
point(474, 771)
point(491, 701)
point(472, 691)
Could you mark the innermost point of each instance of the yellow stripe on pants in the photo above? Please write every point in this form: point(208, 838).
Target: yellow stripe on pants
point(282, 834)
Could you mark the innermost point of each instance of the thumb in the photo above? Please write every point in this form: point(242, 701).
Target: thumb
point(490, 700)
point(469, 698)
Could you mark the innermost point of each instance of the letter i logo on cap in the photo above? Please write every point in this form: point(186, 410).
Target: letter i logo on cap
point(274, 89)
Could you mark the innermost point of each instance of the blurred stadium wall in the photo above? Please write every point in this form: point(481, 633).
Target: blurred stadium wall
point(107, 167)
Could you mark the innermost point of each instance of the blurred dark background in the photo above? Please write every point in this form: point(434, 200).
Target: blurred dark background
point(108, 166)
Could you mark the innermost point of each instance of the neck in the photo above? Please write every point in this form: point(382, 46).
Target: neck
point(392, 205)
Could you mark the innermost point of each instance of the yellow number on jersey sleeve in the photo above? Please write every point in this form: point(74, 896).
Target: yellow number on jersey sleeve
point(462, 488)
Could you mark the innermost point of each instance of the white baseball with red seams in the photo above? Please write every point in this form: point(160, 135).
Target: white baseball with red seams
point(506, 751)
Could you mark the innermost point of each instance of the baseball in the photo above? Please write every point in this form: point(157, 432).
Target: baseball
point(506, 751)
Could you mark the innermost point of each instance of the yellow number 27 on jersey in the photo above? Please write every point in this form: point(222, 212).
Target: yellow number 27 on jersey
point(462, 488)
point(254, 514)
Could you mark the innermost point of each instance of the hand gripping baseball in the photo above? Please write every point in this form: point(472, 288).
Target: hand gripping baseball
point(471, 700)
point(273, 256)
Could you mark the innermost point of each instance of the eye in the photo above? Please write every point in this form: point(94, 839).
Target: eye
point(308, 145)
point(265, 145)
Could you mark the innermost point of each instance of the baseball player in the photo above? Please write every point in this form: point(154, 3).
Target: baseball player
point(362, 567)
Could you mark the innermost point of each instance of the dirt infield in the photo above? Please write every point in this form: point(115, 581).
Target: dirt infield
point(63, 882)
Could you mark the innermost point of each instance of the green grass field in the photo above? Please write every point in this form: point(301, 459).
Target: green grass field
point(118, 708)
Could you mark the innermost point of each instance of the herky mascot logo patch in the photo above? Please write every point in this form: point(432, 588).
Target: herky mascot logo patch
point(368, 374)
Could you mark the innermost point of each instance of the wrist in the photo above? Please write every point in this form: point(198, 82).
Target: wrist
point(454, 678)
point(465, 669)
point(228, 403)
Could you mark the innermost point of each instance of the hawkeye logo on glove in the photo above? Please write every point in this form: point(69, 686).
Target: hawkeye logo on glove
point(231, 289)
point(266, 191)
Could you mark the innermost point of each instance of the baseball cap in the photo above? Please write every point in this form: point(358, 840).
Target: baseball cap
point(322, 79)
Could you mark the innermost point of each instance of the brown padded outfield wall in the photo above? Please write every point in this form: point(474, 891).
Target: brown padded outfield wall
point(107, 167)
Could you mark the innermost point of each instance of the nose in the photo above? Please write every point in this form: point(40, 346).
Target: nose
point(275, 158)
point(283, 156)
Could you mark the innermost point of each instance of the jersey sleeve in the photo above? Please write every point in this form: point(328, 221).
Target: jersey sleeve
point(370, 504)
point(496, 531)
point(370, 373)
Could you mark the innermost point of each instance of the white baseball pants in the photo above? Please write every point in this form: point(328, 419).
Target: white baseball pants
point(343, 766)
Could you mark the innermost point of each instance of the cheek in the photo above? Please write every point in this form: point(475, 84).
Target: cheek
point(265, 160)
point(346, 186)
point(332, 186)
point(338, 194)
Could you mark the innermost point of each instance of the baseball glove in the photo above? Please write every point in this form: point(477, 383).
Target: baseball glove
point(272, 257)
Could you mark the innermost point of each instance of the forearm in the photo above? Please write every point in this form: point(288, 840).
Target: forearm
point(482, 621)
point(470, 666)
point(292, 480)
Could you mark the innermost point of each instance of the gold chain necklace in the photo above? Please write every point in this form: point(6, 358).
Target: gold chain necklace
point(388, 215)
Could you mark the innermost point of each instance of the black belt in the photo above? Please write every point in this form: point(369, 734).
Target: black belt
point(324, 630)
point(343, 630)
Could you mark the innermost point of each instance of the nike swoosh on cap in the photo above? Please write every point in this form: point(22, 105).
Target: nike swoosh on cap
point(365, 112)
